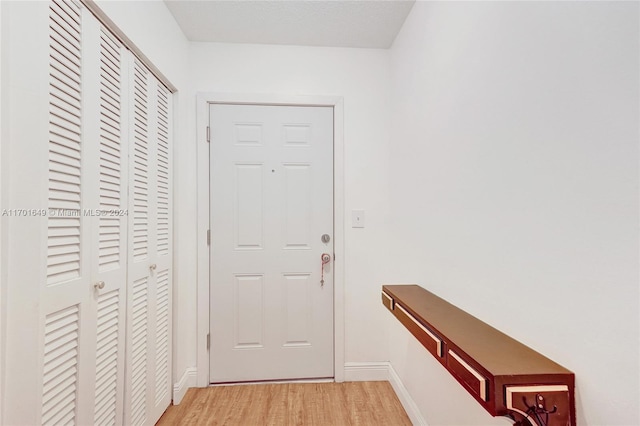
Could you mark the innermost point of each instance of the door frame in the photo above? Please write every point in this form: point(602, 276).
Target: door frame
point(204, 100)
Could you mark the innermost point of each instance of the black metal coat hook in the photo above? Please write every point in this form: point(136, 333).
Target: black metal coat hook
point(537, 411)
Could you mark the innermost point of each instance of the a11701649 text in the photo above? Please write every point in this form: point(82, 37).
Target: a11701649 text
point(64, 212)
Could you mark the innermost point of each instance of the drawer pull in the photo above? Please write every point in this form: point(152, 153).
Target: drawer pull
point(481, 379)
point(423, 328)
point(391, 301)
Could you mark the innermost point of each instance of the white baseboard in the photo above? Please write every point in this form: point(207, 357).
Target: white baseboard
point(407, 402)
point(378, 371)
point(366, 371)
point(188, 380)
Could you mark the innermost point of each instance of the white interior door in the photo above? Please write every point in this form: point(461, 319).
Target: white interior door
point(271, 202)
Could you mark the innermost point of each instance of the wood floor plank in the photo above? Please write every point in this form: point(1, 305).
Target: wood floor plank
point(289, 404)
point(335, 410)
point(276, 413)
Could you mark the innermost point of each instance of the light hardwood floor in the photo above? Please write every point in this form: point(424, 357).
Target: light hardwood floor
point(321, 404)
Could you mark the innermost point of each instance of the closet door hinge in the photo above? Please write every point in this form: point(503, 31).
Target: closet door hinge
point(208, 341)
point(208, 134)
point(208, 237)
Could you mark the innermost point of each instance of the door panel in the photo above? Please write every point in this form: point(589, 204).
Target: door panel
point(249, 311)
point(109, 359)
point(271, 200)
point(61, 355)
point(67, 317)
point(140, 239)
point(82, 299)
point(148, 386)
point(298, 306)
point(297, 218)
point(109, 231)
point(249, 199)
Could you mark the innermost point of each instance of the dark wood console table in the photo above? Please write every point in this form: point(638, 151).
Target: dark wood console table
point(506, 377)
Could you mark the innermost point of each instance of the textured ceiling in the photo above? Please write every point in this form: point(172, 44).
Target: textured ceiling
point(336, 23)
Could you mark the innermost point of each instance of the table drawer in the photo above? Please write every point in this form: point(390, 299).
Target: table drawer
point(428, 338)
point(475, 381)
point(388, 301)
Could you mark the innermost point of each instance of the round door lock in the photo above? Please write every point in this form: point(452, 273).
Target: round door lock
point(325, 238)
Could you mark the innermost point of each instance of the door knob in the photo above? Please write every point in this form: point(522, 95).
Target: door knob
point(99, 285)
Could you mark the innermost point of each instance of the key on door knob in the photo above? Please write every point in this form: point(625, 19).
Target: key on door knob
point(324, 258)
point(99, 285)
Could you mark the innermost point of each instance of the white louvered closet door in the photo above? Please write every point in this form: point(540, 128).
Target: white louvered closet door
point(84, 325)
point(149, 280)
point(89, 322)
point(108, 179)
point(65, 316)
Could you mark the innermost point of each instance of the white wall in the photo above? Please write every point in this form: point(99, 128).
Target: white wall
point(361, 76)
point(514, 189)
point(150, 26)
point(3, 281)
point(24, 81)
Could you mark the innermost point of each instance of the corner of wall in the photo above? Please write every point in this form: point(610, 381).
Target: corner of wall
point(366, 371)
point(3, 132)
point(384, 371)
point(404, 396)
point(188, 380)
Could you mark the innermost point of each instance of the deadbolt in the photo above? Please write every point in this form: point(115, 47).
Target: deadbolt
point(326, 238)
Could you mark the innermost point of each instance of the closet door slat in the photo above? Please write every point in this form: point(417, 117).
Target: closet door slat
point(65, 131)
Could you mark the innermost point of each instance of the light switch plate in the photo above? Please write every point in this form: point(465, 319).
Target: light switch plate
point(357, 218)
